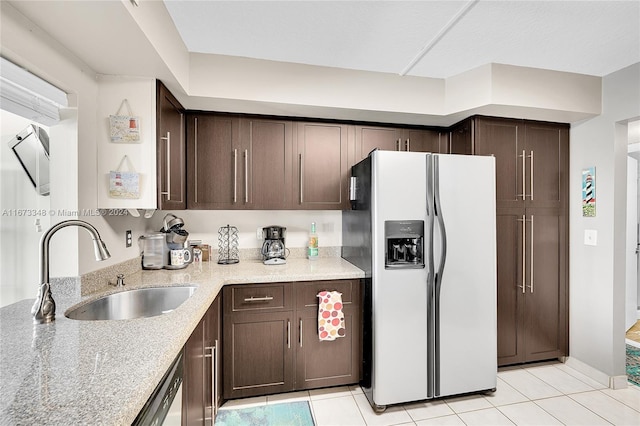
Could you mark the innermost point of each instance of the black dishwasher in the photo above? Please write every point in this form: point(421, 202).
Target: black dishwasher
point(155, 410)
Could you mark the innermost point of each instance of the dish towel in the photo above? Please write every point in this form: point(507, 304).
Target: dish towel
point(330, 315)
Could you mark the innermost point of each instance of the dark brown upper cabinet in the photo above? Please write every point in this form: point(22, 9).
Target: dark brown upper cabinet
point(170, 149)
point(321, 169)
point(214, 161)
point(369, 138)
point(531, 160)
point(239, 162)
point(266, 163)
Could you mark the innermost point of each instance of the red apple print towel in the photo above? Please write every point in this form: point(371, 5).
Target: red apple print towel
point(330, 316)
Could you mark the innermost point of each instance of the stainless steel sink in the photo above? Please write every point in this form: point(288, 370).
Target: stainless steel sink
point(131, 304)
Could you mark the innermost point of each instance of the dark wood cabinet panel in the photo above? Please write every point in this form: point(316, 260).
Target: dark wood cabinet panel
point(532, 164)
point(461, 138)
point(369, 138)
point(267, 163)
point(213, 143)
point(547, 151)
point(502, 138)
point(268, 351)
point(420, 140)
point(327, 363)
point(509, 235)
point(193, 409)
point(201, 382)
point(213, 359)
point(171, 151)
point(321, 166)
point(258, 354)
point(545, 301)
point(307, 291)
point(258, 298)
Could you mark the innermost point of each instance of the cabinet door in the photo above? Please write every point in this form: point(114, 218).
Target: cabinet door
point(416, 140)
point(213, 161)
point(213, 359)
point(170, 149)
point(462, 138)
point(321, 166)
point(547, 164)
point(443, 142)
point(193, 403)
point(327, 363)
point(545, 299)
point(369, 138)
point(510, 258)
point(502, 138)
point(267, 164)
point(258, 354)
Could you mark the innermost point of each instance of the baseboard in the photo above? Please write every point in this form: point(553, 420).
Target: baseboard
point(613, 382)
point(632, 343)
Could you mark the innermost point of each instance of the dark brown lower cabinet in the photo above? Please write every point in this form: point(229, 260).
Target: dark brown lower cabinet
point(532, 299)
point(201, 394)
point(271, 338)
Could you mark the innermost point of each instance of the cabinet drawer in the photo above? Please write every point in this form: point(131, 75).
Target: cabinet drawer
point(257, 297)
point(306, 292)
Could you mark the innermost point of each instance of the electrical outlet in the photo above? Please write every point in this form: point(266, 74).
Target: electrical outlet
point(259, 233)
point(128, 238)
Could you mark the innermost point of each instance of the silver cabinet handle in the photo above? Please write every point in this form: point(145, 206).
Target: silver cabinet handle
point(300, 160)
point(213, 356)
point(407, 146)
point(288, 334)
point(195, 159)
point(246, 176)
point(524, 254)
point(216, 375)
point(258, 299)
point(300, 332)
point(531, 174)
point(531, 255)
point(398, 144)
point(524, 183)
point(168, 168)
point(235, 176)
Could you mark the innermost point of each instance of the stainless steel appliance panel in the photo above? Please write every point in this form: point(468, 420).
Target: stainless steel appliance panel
point(399, 296)
point(467, 336)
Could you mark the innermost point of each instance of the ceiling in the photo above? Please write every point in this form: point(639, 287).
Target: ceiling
point(419, 38)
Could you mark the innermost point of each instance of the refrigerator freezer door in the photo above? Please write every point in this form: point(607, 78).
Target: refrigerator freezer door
point(467, 305)
point(399, 362)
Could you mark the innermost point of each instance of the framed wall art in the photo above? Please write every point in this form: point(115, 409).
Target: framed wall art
point(589, 192)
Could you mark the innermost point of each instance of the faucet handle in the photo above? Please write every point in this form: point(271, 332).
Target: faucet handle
point(119, 282)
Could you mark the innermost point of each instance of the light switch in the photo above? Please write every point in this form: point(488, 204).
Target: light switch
point(590, 237)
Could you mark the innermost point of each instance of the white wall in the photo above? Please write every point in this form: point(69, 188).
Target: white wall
point(27, 45)
point(19, 237)
point(597, 274)
point(204, 225)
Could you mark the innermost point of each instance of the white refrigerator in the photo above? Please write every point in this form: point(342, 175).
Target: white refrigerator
point(423, 228)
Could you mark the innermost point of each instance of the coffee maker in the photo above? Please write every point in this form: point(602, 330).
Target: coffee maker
point(273, 248)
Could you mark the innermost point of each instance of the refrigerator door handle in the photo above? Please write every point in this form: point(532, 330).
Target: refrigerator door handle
point(431, 320)
point(440, 221)
point(438, 276)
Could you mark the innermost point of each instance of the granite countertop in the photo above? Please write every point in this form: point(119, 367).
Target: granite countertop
point(103, 372)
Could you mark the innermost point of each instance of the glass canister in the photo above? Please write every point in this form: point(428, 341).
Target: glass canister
point(153, 250)
point(228, 252)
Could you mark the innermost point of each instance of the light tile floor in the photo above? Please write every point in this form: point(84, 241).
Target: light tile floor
point(541, 394)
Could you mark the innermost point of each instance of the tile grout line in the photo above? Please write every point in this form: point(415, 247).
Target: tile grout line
point(599, 391)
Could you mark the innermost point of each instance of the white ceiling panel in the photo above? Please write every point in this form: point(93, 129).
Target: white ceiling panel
point(588, 37)
point(375, 36)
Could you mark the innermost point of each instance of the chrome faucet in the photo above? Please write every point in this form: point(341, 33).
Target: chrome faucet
point(44, 309)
